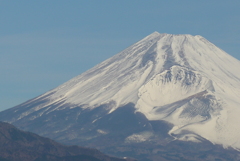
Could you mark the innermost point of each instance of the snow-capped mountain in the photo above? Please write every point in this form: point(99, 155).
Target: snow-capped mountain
point(181, 83)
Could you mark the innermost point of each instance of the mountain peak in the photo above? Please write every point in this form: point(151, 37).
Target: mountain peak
point(174, 35)
point(155, 33)
point(142, 62)
point(182, 79)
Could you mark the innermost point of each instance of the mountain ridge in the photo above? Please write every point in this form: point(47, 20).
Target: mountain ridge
point(25, 146)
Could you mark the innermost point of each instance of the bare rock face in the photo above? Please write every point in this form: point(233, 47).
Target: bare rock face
point(162, 92)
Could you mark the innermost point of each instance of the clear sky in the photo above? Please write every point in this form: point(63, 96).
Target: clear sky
point(44, 43)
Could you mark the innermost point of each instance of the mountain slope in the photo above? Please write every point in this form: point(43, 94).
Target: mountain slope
point(25, 146)
point(163, 88)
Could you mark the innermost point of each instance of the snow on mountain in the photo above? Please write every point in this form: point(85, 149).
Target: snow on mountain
point(182, 79)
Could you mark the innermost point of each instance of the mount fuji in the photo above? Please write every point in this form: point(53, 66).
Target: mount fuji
point(163, 89)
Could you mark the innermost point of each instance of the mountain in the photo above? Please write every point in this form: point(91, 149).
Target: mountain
point(17, 145)
point(163, 90)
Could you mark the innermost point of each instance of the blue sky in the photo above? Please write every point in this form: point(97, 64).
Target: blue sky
point(44, 43)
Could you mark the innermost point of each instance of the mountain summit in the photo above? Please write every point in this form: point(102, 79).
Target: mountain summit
point(164, 87)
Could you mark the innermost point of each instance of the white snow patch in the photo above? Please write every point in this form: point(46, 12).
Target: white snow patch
point(102, 131)
point(139, 137)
